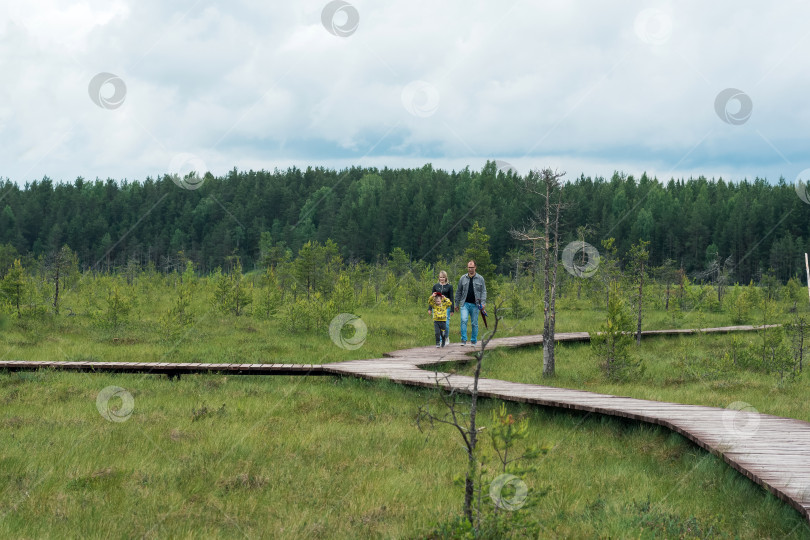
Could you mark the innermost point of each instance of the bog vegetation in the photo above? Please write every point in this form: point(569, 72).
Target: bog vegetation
point(264, 294)
point(300, 295)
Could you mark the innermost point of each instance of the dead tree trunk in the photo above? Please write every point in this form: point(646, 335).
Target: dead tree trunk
point(546, 183)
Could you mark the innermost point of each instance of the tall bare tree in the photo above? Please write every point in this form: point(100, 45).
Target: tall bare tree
point(60, 266)
point(544, 229)
point(639, 256)
point(667, 273)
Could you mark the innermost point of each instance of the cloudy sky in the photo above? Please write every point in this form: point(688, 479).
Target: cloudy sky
point(124, 89)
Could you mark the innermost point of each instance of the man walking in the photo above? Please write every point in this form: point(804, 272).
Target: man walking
point(470, 293)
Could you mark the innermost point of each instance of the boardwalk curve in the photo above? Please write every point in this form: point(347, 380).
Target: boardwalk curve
point(770, 450)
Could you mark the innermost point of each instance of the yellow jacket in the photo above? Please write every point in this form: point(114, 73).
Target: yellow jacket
point(439, 314)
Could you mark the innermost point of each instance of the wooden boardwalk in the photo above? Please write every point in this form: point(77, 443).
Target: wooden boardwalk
point(167, 368)
point(770, 450)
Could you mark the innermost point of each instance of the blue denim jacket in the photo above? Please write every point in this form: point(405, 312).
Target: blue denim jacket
point(479, 289)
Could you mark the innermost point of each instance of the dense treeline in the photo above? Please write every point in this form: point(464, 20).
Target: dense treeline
point(750, 227)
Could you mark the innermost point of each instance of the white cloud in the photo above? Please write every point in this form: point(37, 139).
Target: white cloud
point(60, 24)
point(255, 85)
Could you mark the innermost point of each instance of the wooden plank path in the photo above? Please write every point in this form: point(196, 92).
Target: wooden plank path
point(172, 369)
point(770, 450)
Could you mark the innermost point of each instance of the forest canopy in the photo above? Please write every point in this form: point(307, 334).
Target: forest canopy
point(753, 226)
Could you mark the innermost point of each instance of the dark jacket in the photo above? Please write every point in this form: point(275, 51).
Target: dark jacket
point(446, 290)
point(479, 289)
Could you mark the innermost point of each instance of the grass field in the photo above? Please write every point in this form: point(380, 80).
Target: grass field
point(335, 457)
point(322, 457)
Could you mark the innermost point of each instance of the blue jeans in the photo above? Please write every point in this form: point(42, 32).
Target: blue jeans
point(469, 311)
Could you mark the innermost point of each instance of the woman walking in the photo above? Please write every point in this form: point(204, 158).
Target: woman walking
point(444, 288)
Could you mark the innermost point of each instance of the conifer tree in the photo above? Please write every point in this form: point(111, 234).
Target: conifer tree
point(478, 251)
point(13, 285)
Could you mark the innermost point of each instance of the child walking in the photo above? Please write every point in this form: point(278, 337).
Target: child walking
point(438, 305)
point(444, 287)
